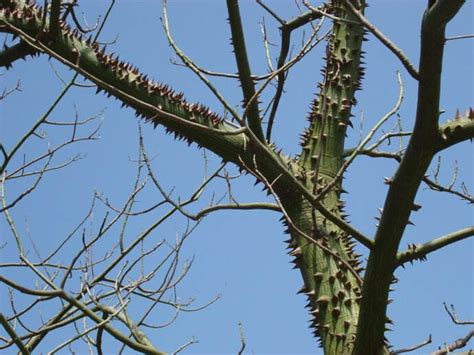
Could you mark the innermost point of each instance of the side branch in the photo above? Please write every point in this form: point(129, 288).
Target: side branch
point(286, 29)
point(153, 101)
point(461, 129)
point(245, 76)
point(420, 251)
point(11, 54)
point(159, 104)
point(457, 344)
point(12, 333)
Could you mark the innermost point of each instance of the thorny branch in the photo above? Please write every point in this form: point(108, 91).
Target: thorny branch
point(122, 286)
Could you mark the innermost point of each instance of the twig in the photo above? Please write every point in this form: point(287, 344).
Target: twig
point(9, 219)
point(414, 347)
point(286, 30)
point(453, 38)
point(99, 326)
point(242, 340)
point(263, 29)
point(271, 12)
point(28, 190)
point(41, 120)
point(190, 64)
point(184, 346)
point(454, 317)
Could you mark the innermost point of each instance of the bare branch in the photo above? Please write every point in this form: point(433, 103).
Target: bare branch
point(13, 335)
point(286, 30)
point(454, 38)
point(454, 317)
point(413, 348)
point(240, 206)
point(184, 346)
point(271, 12)
point(199, 72)
point(457, 344)
point(242, 340)
point(40, 121)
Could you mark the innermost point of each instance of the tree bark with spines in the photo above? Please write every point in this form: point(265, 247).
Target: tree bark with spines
point(349, 308)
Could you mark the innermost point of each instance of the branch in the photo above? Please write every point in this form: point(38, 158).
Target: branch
point(458, 344)
point(248, 88)
point(420, 251)
point(396, 211)
point(195, 69)
point(454, 38)
point(55, 13)
point(241, 206)
point(382, 38)
point(454, 317)
point(38, 123)
point(242, 340)
point(286, 29)
point(13, 335)
point(11, 54)
point(456, 131)
point(155, 102)
point(412, 348)
point(158, 104)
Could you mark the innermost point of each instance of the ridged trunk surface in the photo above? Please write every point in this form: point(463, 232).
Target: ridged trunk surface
point(330, 268)
point(322, 251)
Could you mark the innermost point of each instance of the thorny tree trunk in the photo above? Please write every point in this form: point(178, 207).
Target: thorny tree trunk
point(309, 188)
point(329, 267)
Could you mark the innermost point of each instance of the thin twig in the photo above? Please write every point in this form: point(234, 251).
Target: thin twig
point(454, 317)
point(414, 347)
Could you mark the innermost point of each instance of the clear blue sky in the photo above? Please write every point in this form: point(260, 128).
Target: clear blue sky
point(241, 255)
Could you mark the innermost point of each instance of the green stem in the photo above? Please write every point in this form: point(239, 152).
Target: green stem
point(245, 75)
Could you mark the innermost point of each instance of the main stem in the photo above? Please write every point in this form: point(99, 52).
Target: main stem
point(329, 267)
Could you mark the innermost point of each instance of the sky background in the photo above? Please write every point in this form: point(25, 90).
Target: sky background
point(241, 255)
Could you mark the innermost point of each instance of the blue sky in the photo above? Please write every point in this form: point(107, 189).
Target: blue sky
point(240, 255)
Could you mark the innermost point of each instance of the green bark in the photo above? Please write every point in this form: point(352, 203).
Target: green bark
point(329, 267)
point(331, 281)
point(348, 318)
